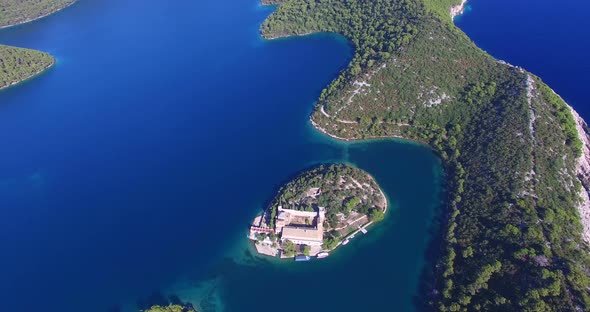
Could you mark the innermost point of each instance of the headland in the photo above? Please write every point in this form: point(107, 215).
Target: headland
point(514, 155)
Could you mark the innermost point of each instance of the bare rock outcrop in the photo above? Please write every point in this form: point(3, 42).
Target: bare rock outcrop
point(583, 173)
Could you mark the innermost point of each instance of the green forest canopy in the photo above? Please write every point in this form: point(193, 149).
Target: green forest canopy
point(170, 308)
point(339, 193)
point(18, 64)
point(13, 12)
point(512, 237)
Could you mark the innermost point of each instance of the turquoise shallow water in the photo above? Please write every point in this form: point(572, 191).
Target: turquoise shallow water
point(134, 166)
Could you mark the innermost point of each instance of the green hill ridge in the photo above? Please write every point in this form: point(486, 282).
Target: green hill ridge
point(512, 148)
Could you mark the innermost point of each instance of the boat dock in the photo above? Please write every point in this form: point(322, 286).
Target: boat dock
point(362, 229)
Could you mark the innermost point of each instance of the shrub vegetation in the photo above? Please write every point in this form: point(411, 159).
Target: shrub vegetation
point(13, 12)
point(512, 240)
point(17, 64)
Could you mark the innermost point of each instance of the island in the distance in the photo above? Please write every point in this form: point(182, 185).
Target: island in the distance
point(19, 64)
point(171, 308)
point(318, 211)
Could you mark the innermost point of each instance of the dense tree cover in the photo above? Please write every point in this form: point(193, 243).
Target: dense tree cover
point(14, 12)
point(271, 2)
point(376, 215)
point(340, 189)
point(376, 28)
point(289, 248)
point(565, 118)
point(512, 238)
point(441, 7)
point(306, 250)
point(17, 64)
point(170, 308)
point(331, 240)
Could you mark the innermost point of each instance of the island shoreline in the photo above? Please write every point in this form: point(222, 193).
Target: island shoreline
point(350, 204)
point(39, 17)
point(34, 75)
point(583, 162)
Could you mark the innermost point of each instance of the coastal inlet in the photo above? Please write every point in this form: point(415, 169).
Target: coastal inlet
point(318, 211)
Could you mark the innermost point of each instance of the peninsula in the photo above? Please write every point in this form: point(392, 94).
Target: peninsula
point(318, 211)
point(15, 12)
point(516, 159)
point(18, 64)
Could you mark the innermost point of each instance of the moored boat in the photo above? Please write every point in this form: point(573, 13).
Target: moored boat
point(302, 258)
point(322, 254)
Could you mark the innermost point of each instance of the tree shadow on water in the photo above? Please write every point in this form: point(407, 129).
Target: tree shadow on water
point(427, 288)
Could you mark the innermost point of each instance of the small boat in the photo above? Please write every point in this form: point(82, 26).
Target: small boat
point(323, 254)
point(302, 258)
point(345, 242)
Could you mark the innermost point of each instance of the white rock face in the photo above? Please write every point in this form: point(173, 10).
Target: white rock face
point(458, 9)
point(583, 173)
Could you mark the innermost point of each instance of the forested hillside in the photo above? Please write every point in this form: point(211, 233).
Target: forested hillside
point(343, 189)
point(17, 64)
point(512, 239)
point(13, 12)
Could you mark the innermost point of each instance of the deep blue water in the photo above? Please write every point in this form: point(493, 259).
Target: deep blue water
point(149, 145)
point(136, 164)
point(549, 38)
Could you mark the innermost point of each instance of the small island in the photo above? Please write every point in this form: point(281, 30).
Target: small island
point(171, 308)
point(318, 211)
